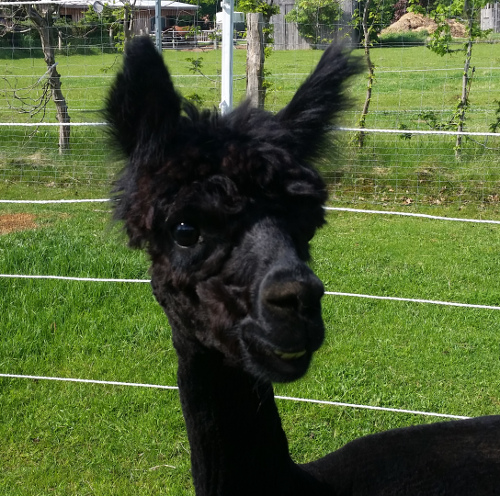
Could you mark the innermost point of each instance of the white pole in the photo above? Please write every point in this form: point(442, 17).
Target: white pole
point(158, 25)
point(226, 103)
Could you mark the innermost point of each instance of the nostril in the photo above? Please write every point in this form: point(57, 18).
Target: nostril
point(297, 296)
point(282, 299)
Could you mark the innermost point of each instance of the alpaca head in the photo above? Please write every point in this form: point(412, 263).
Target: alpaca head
point(226, 207)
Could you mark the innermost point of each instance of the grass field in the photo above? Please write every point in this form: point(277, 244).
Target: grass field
point(65, 438)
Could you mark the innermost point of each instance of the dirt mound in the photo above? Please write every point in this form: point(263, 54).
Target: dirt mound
point(418, 22)
point(16, 222)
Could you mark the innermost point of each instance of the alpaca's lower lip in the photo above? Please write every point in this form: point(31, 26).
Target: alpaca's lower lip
point(290, 356)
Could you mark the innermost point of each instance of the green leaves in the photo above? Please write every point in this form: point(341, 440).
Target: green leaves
point(313, 17)
point(257, 6)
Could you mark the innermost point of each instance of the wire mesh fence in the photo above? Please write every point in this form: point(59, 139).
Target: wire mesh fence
point(413, 90)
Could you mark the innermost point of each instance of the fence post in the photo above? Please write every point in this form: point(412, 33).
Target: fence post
point(158, 26)
point(255, 59)
point(226, 103)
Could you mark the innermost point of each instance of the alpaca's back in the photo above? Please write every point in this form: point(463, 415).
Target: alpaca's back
point(458, 458)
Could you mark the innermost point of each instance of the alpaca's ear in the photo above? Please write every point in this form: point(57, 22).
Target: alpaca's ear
point(142, 103)
point(317, 102)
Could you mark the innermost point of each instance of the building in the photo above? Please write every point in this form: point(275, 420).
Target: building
point(144, 12)
point(490, 17)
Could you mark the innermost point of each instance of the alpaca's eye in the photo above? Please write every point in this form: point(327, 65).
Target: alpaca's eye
point(185, 234)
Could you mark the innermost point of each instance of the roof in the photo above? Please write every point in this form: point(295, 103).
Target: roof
point(145, 4)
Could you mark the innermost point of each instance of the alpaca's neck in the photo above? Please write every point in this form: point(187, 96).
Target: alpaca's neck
point(237, 444)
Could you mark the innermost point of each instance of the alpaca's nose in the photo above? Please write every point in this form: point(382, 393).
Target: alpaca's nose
point(296, 291)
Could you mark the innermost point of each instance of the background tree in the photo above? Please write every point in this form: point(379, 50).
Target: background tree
point(108, 19)
point(401, 7)
point(369, 19)
point(128, 18)
point(314, 18)
point(206, 8)
point(441, 42)
point(42, 18)
point(119, 21)
point(267, 10)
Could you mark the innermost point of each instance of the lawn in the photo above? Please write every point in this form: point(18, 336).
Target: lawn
point(66, 438)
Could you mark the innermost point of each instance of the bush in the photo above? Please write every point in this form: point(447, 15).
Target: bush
point(407, 38)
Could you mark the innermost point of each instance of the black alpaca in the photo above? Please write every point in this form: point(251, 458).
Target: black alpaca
point(226, 207)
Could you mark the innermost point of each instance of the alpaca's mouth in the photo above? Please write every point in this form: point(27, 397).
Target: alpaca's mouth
point(277, 360)
point(284, 355)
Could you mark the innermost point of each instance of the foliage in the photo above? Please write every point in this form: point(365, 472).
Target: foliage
point(435, 122)
point(467, 11)
point(195, 67)
point(399, 9)
point(418, 6)
point(314, 18)
point(406, 38)
point(369, 19)
point(196, 99)
point(110, 19)
point(440, 43)
point(267, 11)
point(206, 8)
point(258, 6)
point(404, 136)
point(107, 18)
point(380, 14)
point(495, 126)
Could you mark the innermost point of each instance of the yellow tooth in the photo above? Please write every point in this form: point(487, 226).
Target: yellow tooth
point(290, 356)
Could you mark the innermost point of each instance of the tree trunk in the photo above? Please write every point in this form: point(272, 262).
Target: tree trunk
point(128, 20)
point(371, 74)
point(43, 25)
point(464, 97)
point(255, 60)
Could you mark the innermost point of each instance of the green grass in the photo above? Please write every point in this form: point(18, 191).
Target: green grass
point(64, 438)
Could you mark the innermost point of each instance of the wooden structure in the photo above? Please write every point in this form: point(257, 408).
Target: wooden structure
point(286, 34)
point(490, 17)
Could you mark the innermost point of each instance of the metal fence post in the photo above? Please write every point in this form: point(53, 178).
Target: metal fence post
point(226, 103)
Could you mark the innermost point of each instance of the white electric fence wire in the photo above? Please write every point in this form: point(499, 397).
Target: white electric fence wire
point(64, 278)
point(49, 124)
point(414, 300)
point(340, 209)
point(331, 293)
point(286, 398)
point(42, 202)
point(410, 214)
point(370, 407)
point(446, 69)
point(86, 381)
point(413, 131)
point(350, 129)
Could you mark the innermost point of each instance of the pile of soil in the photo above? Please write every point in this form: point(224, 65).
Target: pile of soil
point(419, 22)
point(16, 222)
